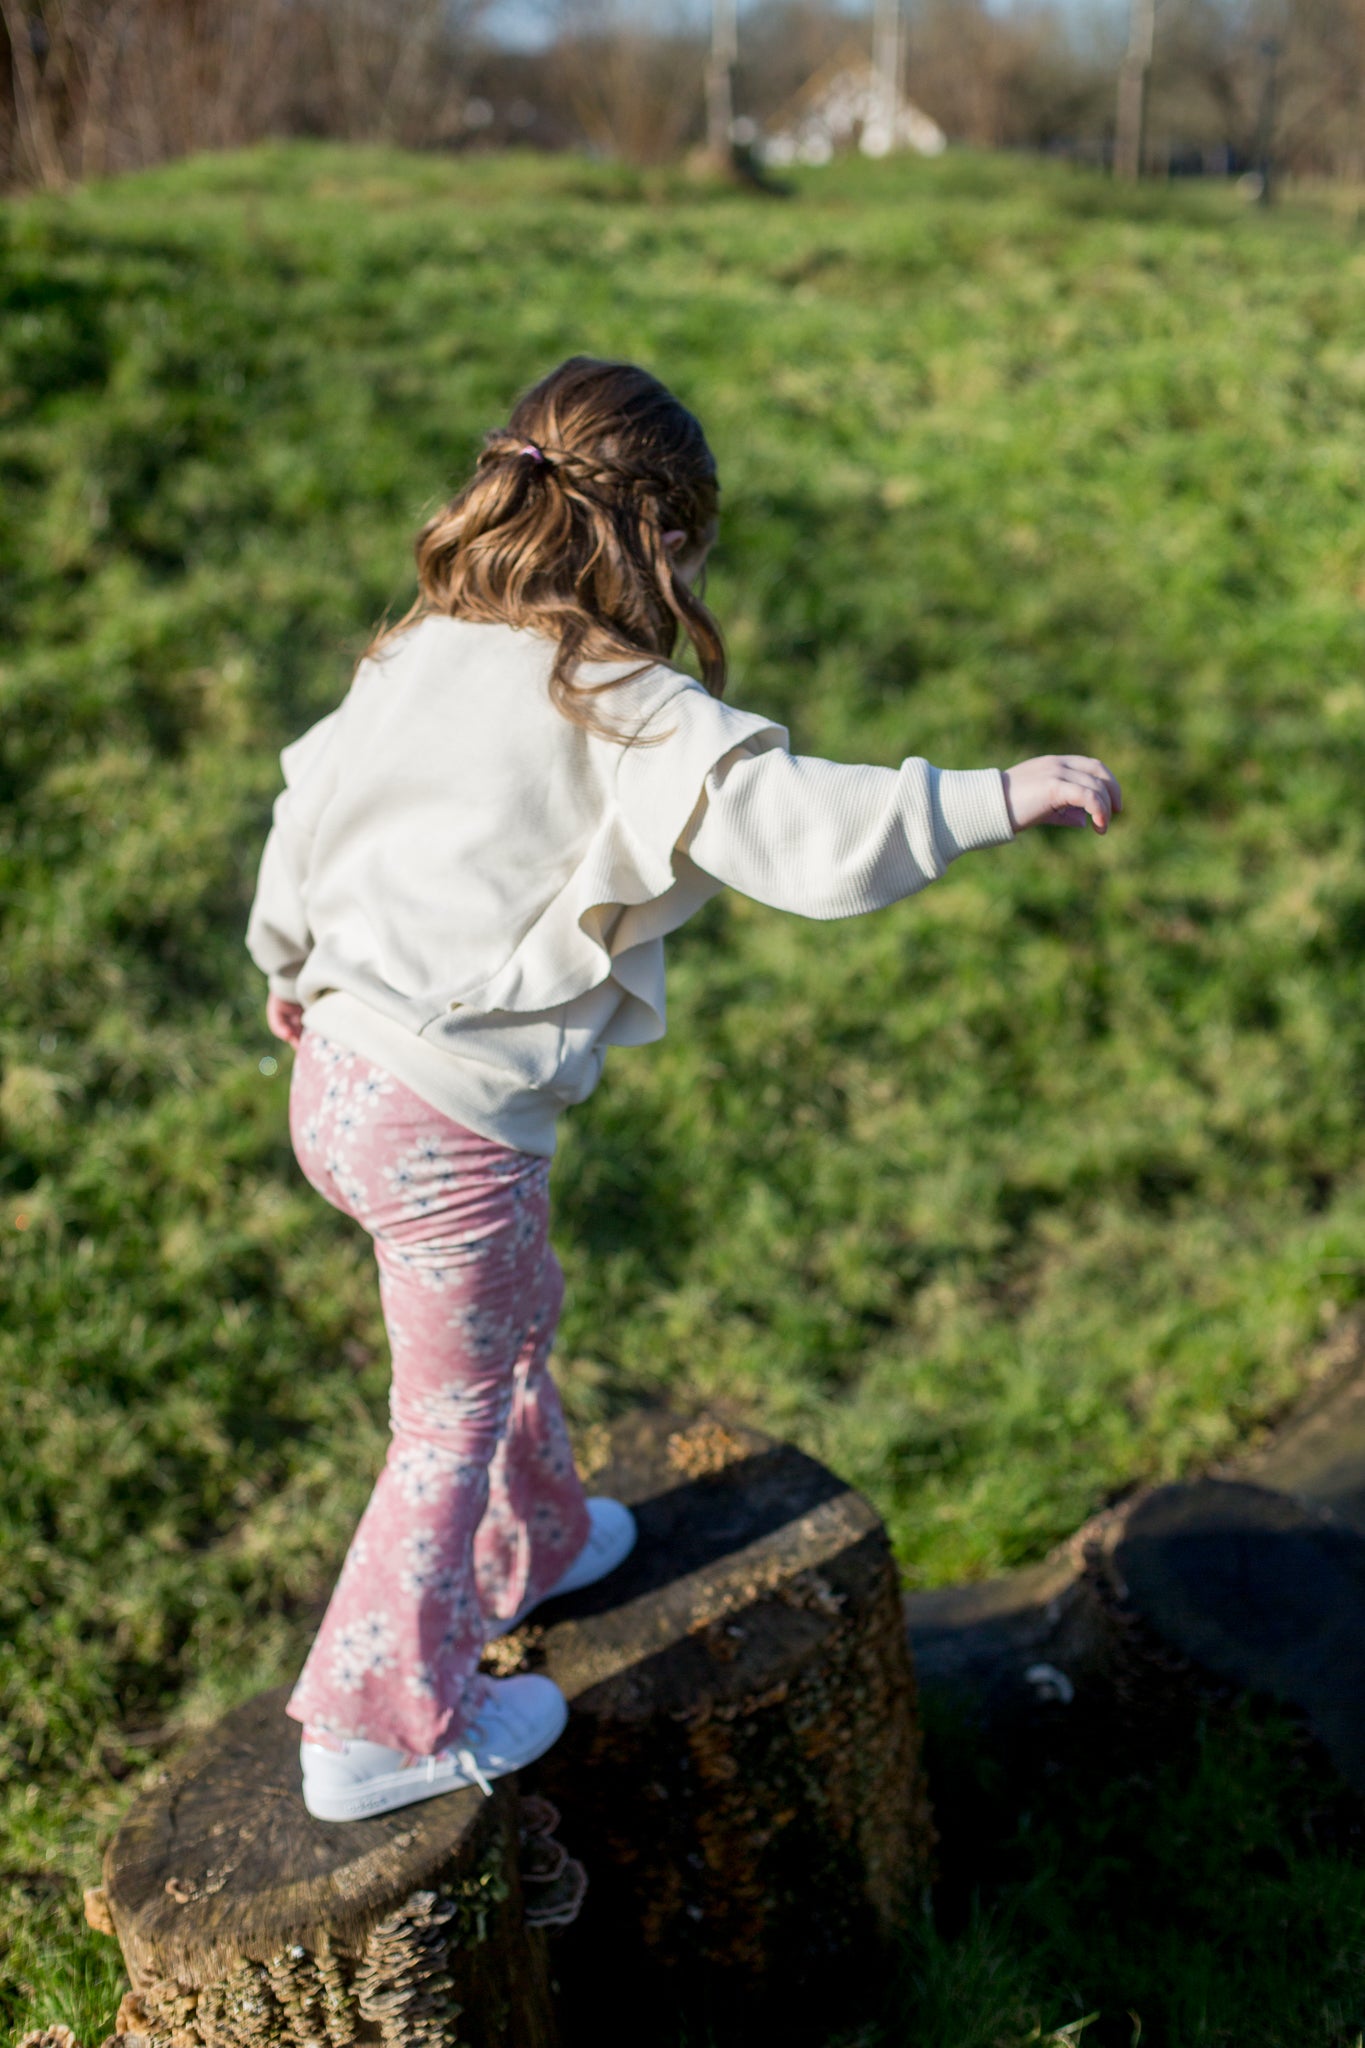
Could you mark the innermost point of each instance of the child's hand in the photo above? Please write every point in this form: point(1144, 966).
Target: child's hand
point(285, 1019)
point(1061, 789)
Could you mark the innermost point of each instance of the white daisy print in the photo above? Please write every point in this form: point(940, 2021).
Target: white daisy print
point(527, 1226)
point(346, 1121)
point(421, 1682)
point(400, 1176)
point(548, 1524)
point(451, 1407)
point(450, 1589)
point(421, 1557)
point(456, 1639)
point(371, 1088)
point(554, 1458)
point(362, 1646)
point(434, 1278)
point(424, 1473)
point(481, 1330)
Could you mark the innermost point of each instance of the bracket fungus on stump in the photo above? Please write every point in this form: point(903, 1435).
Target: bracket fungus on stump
point(245, 1922)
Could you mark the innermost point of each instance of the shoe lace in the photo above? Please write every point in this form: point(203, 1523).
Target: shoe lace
point(469, 1764)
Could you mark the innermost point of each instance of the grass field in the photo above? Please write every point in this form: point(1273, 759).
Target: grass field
point(1040, 1185)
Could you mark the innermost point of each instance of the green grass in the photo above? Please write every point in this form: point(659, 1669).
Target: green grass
point(1213, 1897)
point(1029, 1189)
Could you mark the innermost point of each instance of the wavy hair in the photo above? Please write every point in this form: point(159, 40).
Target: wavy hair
point(561, 529)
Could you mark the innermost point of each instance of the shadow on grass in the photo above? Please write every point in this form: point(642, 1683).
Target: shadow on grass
point(1214, 1895)
point(1210, 1891)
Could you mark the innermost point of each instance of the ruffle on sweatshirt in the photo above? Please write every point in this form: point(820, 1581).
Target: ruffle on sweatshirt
point(449, 845)
point(631, 887)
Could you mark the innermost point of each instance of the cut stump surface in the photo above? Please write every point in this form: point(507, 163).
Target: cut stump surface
point(244, 1921)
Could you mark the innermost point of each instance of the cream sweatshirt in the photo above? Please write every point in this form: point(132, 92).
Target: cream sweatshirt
point(473, 892)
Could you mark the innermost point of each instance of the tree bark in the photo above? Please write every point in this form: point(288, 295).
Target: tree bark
point(720, 91)
point(1131, 115)
point(741, 1770)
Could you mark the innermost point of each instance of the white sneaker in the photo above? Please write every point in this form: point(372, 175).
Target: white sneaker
point(610, 1540)
point(347, 1780)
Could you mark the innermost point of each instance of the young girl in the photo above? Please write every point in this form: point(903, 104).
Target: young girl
point(462, 904)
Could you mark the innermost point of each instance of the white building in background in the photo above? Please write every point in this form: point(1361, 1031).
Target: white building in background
point(844, 107)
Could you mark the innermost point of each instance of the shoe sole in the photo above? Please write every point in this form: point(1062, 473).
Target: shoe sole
point(505, 1628)
point(406, 1788)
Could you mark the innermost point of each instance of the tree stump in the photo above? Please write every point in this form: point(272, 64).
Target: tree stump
point(1102, 1659)
point(1318, 1453)
point(740, 1775)
point(741, 1770)
point(1258, 1592)
point(244, 1922)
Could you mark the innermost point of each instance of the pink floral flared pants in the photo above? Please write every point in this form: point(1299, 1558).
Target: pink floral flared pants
point(478, 1507)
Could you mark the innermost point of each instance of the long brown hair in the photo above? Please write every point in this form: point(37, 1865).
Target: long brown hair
point(561, 529)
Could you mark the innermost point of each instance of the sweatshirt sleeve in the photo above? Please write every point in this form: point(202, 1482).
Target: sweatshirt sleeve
point(277, 934)
point(827, 840)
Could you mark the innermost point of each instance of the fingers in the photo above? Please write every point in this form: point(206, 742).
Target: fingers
point(1062, 789)
point(1082, 789)
point(1084, 764)
point(284, 1020)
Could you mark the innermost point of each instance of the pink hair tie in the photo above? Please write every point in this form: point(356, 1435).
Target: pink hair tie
point(536, 454)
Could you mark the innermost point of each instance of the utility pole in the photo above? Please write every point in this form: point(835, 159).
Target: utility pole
point(886, 78)
point(720, 85)
point(1131, 113)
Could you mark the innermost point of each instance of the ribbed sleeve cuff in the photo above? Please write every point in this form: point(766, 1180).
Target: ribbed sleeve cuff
point(971, 803)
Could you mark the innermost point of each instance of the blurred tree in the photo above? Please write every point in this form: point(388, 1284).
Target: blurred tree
point(633, 75)
point(35, 138)
point(720, 80)
point(89, 87)
point(1130, 117)
point(93, 86)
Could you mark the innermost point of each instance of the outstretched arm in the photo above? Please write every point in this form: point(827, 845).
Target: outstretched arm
point(827, 840)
